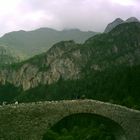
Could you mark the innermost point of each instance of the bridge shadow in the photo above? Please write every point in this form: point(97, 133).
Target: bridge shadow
point(85, 126)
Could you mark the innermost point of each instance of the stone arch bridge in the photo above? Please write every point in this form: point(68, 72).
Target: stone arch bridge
point(30, 121)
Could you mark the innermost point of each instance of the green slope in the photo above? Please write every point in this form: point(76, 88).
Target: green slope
point(30, 43)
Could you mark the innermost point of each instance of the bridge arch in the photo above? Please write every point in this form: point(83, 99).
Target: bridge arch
point(88, 119)
point(30, 121)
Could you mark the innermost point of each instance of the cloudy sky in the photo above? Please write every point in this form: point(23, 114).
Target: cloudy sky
point(64, 14)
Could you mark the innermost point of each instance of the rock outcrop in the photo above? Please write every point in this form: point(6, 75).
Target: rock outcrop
point(57, 63)
point(113, 24)
point(132, 19)
point(119, 21)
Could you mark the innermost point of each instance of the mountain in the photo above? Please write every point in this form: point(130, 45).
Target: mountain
point(105, 67)
point(29, 43)
point(118, 21)
point(113, 24)
point(132, 19)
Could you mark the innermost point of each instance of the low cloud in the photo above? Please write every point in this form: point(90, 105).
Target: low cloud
point(83, 14)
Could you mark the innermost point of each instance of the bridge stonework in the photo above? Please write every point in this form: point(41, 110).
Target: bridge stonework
point(30, 121)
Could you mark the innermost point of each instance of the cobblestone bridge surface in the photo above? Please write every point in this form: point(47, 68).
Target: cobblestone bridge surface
point(30, 121)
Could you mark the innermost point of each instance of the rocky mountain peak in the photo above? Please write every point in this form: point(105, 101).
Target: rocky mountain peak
point(113, 24)
point(132, 19)
point(119, 21)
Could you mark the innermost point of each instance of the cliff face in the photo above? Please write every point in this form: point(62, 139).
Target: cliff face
point(68, 60)
point(47, 68)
